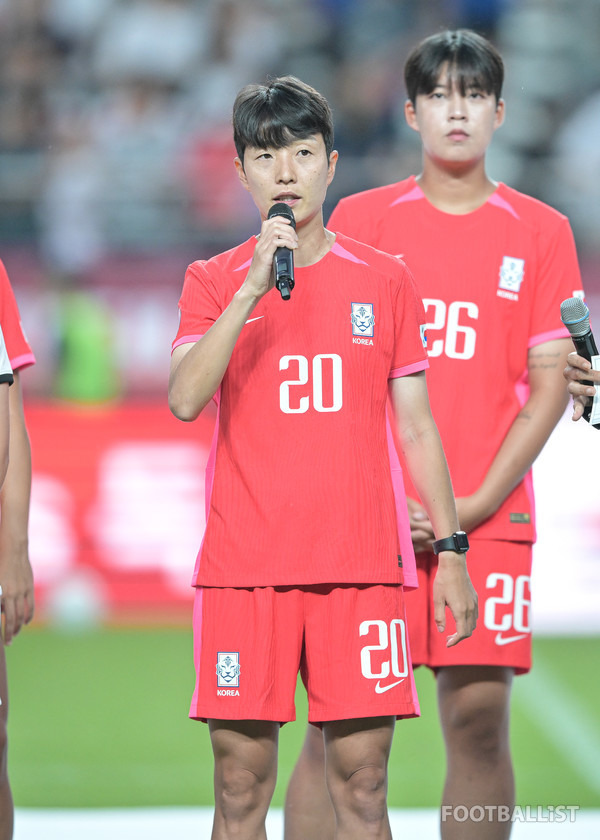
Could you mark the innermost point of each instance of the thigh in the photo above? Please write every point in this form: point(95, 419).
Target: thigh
point(355, 744)
point(356, 661)
point(474, 701)
point(251, 744)
point(501, 573)
point(247, 645)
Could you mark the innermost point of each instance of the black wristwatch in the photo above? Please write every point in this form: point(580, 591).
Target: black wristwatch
point(458, 541)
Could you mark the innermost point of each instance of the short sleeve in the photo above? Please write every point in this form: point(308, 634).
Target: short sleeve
point(199, 306)
point(19, 352)
point(410, 344)
point(558, 278)
point(6, 373)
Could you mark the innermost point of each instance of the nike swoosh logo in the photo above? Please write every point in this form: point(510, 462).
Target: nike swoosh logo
point(502, 640)
point(379, 689)
point(258, 317)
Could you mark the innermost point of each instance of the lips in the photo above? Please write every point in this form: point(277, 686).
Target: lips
point(287, 198)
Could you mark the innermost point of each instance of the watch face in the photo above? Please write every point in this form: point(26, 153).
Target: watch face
point(462, 541)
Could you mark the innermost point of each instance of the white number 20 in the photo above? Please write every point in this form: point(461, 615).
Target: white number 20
point(302, 402)
point(398, 659)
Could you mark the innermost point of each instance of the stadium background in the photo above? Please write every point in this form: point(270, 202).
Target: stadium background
point(115, 173)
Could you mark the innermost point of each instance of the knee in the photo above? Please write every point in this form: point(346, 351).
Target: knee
point(364, 793)
point(479, 729)
point(239, 792)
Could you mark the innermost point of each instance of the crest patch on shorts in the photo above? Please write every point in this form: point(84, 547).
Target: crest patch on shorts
point(228, 669)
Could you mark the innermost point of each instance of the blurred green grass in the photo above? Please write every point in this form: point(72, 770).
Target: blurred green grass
point(99, 718)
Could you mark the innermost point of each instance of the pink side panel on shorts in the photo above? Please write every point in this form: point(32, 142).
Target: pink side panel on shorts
point(197, 623)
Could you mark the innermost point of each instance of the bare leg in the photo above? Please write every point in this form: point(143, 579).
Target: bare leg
point(308, 813)
point(356, 756)
point(6, 801)
point(245, 773)
point(474, 703)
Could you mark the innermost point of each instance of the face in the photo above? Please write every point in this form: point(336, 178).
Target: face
point(297, 174)
point(455, 129)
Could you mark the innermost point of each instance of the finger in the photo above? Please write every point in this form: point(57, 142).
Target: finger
point(420, 537)
point(9, 620)
point(29, 607)
point(464, 629)
point(439, 615)
point(422, 546)
point(577, 410)
point(577, 361)
point(421, 530)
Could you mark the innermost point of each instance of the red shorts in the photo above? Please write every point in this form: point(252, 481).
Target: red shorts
point(500, 572)
point(348, 642)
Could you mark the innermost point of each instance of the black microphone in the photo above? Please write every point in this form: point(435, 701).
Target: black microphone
point(283, 261)
point(576, 317)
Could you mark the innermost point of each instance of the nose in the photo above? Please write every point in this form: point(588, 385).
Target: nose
point(456, 106)
point(285, 171)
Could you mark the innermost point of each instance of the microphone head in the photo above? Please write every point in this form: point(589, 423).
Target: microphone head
point(575, 316)
point(282, 209)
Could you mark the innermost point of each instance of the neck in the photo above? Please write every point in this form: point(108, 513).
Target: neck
point(314, 241)
point(458, 189)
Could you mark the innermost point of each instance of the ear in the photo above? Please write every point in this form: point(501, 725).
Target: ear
point(333, 159)
point(410, 115)
point(239, 166)
point(500, 114)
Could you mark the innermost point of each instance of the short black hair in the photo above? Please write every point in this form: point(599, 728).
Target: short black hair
point(472, 61)
point(274, 114)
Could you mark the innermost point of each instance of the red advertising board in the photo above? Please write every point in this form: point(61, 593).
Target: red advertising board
point(117, 512)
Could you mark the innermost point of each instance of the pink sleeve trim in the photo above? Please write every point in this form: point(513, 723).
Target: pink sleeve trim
point(22, 361)
point(422, 364)
point(186, 339)
point(552, 335)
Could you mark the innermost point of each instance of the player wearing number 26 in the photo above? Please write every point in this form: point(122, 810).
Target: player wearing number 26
point(492, 266)
point(299, 568)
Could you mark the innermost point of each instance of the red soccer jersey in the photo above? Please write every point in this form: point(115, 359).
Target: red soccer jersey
point(17, 347)
point(492, 282)
point(302, 492)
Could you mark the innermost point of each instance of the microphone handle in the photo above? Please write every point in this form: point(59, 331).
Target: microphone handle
point(284, 271)
point(586, 347)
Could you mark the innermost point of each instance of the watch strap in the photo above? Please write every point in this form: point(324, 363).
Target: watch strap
point(458, 541)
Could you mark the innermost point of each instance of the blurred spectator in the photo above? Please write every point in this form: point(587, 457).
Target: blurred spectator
point(158, 40)
point(115, 114)
point(71, 235)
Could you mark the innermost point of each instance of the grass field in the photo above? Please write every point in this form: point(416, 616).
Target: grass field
point(99, 718)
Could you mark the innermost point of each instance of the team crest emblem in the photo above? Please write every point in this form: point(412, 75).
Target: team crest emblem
point(228, 669)
point(511, 274)
point(363, 320)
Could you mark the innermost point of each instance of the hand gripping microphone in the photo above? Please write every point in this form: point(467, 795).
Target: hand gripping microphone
point(283, 261)
point(576, 317)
